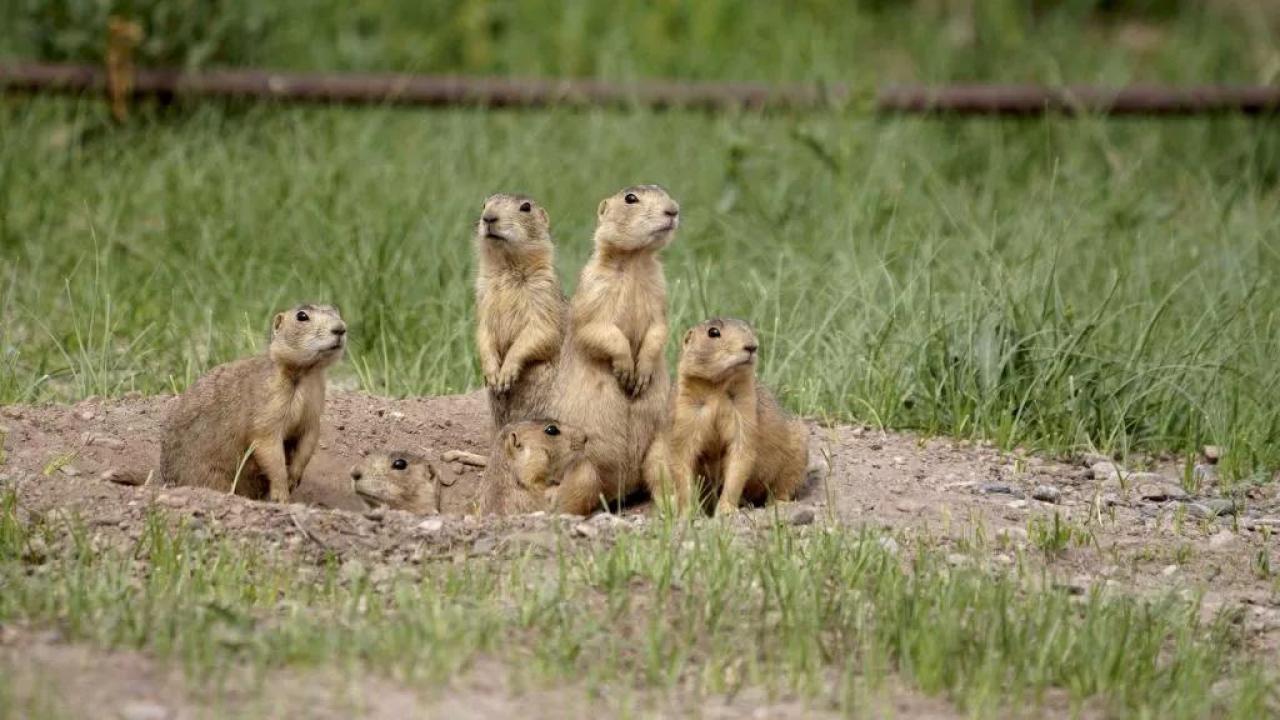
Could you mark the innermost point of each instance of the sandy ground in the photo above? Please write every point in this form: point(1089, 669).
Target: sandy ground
point(1150, 535)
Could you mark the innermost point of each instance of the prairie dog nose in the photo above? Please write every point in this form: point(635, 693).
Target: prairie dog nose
point(356, 474)
point(751, 347)
point(340, 330)
point(489, 218)
point(672, 211)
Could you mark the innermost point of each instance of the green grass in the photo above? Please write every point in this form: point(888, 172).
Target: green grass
point(826, 616)
point(1057, 284)
point(863, 43)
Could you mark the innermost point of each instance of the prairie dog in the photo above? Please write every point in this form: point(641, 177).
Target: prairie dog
point(539, 465)
point(398, 480)
point(725, 427)
point(252, 425)
point(613, 377)
point(520, 307)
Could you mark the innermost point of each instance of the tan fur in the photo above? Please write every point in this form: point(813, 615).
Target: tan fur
point(520, 307)
point(613, 377)
point(727, 429)
point(264, 411)
point(414, 486)
point(531, 469)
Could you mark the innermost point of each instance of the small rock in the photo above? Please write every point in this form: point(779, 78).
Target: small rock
point(1105, 470)
point(803, 516)
point(889, 545)
point(102, 440)
point(1222, 540)
point(118, 477)
point(586, 530)
point(1016, 504)
point(1169, 570)
point(85, 415)
point(376, 513)
point(69, 470)
point(1013, 534)
point(1212, 508)
point(908, 506)
point(1090, 459)
point(396, 414)
point(606, 520)
point(430, 526)
point(1046, 493)
point(1160, 490)
point(994, 488)
point(1212, 454)
point(1205, 474)
point(172, 501)
point(141, 710)
point(1200, 510)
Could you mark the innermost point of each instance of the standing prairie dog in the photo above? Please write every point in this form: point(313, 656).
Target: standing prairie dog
point(612, 379)
point(520, 308)
point(398, 480)
point(251, 425)
point(725, 427)
point(539, 465)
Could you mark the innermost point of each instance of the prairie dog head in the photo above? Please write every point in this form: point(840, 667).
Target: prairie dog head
point(539, 451)
point(308, 336)
point(513, 223)
point(397, 480)
point(640, 217)
point(718, 348)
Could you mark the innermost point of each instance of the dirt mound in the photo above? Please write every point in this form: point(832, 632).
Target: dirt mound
point(1140, 530)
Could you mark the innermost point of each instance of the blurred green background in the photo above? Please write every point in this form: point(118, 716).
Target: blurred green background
point(863, 41)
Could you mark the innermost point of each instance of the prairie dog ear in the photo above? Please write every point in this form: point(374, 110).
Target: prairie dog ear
point(604, 205)
point(513, 443)
point(688, 335)
point(276, 323)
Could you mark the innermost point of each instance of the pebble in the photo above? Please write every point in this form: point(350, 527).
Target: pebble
point(173, 501)
point(1013, 534)
point(889, 545)
point(1212, 508)
point(1212, 454)
point(908, 506)
point(1105, 470)
point(430, 526)
point(1016, 504)
point(141, 710)
point(105, 441)
point(803, 516)
point(1047, 493)
point(586, 530)
point(120, 478)
point(69, 470)
point(1222, 540)
point(376, 513)
point(1160, 490)
point(605, 519)
point(1205, 474)
point(1169, 570)
point(1090, 459)
point(995, 489)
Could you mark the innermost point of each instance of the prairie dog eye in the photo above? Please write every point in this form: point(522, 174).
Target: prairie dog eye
point(399, 464)
point(302, 316)
point(631, 199)
point(713, 332)
point(526, 207)
point(551, 430)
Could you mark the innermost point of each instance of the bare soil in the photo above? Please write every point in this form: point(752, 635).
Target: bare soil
point(920, 489)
